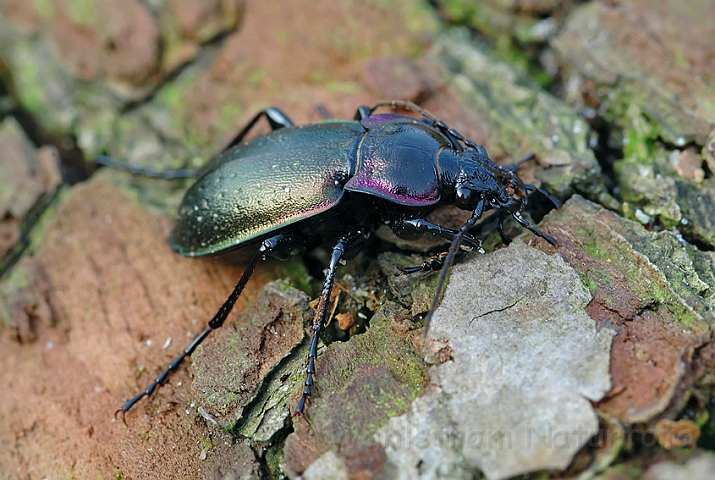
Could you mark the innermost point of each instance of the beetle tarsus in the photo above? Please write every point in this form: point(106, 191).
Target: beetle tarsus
point(125, 408)
point(433, 263)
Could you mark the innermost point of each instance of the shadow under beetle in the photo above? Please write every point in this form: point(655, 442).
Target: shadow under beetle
point(334, 182)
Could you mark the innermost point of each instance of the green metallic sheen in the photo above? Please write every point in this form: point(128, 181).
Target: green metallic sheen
point(265, 184)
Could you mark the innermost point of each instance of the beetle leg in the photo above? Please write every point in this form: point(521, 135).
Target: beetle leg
point(453, 248)
point(145, 171)
point(323, 112)
point(362, 112)
point(319, 323)
point(267, 247)
point(506, 240)
point(533, 230)
point(420, 225)
point(433, 263)
point(276, 118)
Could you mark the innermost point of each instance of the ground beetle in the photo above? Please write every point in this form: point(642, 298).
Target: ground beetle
point(334, 182)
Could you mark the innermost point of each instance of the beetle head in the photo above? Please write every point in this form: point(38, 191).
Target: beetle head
point(480, 178)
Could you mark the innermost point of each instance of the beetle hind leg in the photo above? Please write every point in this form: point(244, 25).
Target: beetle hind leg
point(272, 245)
point(341, 249)
point(275, 116)
point(319, 324)
point(171, 174)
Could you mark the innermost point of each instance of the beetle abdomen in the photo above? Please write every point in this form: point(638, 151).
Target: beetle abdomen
point(266, 184)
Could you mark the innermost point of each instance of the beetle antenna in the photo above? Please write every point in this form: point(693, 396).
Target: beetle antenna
point(514, 167)
point(449, 260)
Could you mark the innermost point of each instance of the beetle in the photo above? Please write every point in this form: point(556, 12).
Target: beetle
point(333, 182)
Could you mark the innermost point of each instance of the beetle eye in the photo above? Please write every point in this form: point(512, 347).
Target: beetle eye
point(462, 197)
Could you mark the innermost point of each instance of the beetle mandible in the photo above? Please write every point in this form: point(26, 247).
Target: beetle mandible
point(334, 182)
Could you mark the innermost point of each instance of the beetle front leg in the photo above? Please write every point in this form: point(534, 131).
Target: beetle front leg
point(506, 239)
point(533, 230)
point(269, 246)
